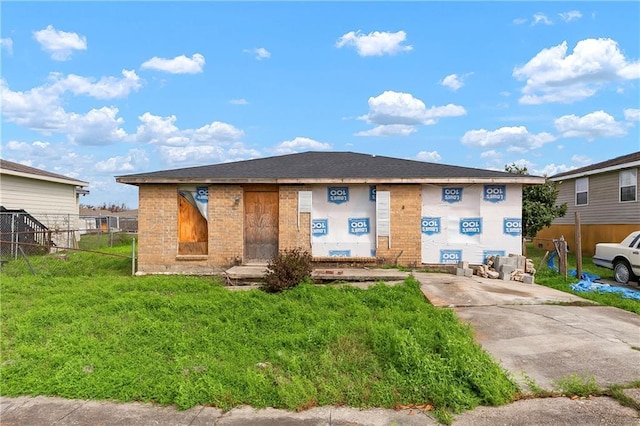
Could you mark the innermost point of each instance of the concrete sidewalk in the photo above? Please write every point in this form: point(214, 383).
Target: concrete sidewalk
point(26, 411)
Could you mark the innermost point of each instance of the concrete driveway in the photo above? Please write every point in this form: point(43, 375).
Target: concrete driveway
point(540, 332)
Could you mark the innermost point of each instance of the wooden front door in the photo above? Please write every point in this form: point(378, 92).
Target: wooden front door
point(260, 226)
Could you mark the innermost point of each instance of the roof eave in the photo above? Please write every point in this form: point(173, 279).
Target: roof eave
point(595, 171)
point(529, 180)
point(45, 178)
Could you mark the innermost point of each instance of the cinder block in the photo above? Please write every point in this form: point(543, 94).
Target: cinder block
point(460, 272)
point(521, 262)
point(507, 269)
point(505, 276)
point(468, 272)
point(493, 275)
point(497, 262)
point(527, 279)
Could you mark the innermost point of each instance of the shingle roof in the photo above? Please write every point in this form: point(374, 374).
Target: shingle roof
point(595, 168)
point(22, 169)
point(307, 167)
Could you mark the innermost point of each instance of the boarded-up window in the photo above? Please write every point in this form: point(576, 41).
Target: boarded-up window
point(193, 229)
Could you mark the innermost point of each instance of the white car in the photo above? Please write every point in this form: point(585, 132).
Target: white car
point(623, 258)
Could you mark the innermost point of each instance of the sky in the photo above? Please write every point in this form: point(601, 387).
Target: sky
point(94, 90)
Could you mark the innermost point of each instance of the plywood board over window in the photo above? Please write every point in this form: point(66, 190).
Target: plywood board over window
point(192, 226)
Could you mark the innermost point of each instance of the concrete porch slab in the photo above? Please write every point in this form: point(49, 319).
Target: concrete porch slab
point(256, 272)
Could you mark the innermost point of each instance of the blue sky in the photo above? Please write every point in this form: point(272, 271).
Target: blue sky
point(94, 90)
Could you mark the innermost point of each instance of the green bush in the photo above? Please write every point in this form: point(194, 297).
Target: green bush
point(286, 270)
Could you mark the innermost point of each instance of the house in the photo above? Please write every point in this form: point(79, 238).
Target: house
point(38, 208)
point(95, 221)
point(340, 206)
point(606, 196)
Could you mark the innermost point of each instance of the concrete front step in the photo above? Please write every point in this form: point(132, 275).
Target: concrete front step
point(256, 272)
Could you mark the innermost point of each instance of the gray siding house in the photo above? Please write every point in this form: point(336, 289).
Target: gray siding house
point(606, 196)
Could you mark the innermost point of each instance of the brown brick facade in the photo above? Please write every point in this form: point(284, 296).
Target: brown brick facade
point(406, 210)
point(158, 228)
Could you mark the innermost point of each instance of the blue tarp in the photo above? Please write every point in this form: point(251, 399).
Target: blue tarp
point(587, 285)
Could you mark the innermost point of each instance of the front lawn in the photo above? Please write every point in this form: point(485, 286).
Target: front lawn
point(189, 341)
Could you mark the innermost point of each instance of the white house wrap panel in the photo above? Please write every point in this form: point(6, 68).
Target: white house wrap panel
point(470, 222)
point(343, 221)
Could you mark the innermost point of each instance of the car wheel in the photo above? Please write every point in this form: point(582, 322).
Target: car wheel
point(621, 271)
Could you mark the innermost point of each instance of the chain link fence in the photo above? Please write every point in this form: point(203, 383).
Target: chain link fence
point(64, 244)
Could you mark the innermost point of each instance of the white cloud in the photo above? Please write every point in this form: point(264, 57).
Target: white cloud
point(541, 18)
point(301, 144)
point(135, 159)
point(554, 76)
point(40, 108)
point(402, 108)
point(158, 130)
point(491, 154)
point(581, 160)
point(260, 52)
point(105, 88)
point(214, 142)
point(240, 101)
point(7, 44)
point(571, 15)
point(389, 130)
point(632, 114)
point(178, 65)
point(97, 127)
point(215, 132)
point(453, 82)
point(517, 139)
point(552, 169)
point(59, 44)
point(376, 43)
point(595, 125)
point(519, 21)
point(429, 156)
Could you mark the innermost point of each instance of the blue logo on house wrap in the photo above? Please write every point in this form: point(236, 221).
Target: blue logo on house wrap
point(372, 193)
point(451, 195)
point(487, 253)
point(471, 225)
point(202, 194)
point(339, 253)
point(338, 194)
point(450, 256)
point(494, 193)
point(512, 225)
point(430, 225)
point(359, 225)
point(373, 252)
point(319, 227)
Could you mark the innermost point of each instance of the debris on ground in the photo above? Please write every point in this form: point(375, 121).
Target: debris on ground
point(588, 285)
point(508, 268)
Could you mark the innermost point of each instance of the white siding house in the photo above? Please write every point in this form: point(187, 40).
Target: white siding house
point(50, 198)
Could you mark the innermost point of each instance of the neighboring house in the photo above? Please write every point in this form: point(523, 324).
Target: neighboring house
point(37, 203)
point(340, 206)
point(100, 220)
point(606, 196)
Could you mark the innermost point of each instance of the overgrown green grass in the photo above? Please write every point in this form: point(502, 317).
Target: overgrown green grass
point(549, 278)
point(189, 341)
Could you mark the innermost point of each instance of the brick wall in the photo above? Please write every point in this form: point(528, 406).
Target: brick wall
point(226, 225)
point(406, 211)
point(293, 234)
point(158, 230)
point(157, 227)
